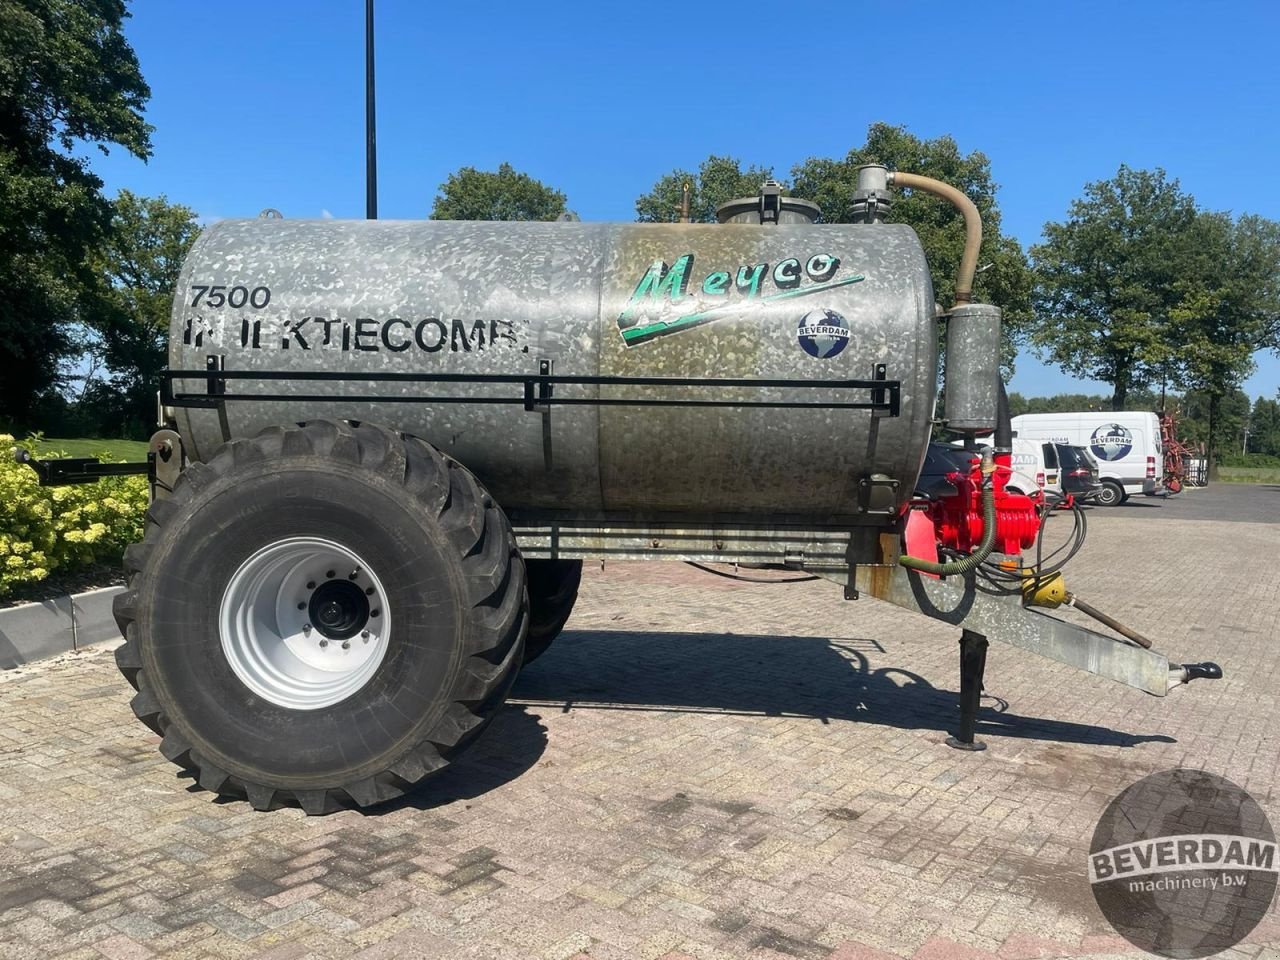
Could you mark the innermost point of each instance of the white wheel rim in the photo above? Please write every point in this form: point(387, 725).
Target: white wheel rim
point(266, 624)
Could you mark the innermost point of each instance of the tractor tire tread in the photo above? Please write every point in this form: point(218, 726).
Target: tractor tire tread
point(493, 576)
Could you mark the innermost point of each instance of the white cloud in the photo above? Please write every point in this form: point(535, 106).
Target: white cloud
point(325, 214)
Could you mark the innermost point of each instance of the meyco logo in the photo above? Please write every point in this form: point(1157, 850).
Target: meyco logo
point(662, 303)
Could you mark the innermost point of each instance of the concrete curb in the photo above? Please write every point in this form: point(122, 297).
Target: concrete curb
point(65, 624)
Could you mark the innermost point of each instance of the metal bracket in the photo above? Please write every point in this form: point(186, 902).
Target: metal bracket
point(866, 545)
point(168, 459)
point(866, 494)
point(887, 405)
point(958, 601)
point(542, 405)
point(67, 471)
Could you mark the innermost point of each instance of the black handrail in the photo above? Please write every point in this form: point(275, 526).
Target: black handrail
point(537, 390)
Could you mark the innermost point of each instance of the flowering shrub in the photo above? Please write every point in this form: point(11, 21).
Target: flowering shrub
point(47, 529)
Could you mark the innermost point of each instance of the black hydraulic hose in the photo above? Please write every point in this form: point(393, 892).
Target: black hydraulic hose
point(738, 576)
point(980, 553)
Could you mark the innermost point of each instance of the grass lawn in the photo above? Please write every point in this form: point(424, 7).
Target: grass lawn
point(111, 450)
point(1249, 474)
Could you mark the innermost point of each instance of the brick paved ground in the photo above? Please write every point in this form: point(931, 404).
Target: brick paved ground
point(698, 768)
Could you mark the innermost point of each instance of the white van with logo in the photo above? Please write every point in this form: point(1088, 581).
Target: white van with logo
point(1126, 446)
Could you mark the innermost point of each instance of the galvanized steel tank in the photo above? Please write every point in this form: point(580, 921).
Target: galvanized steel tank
point(805, 302)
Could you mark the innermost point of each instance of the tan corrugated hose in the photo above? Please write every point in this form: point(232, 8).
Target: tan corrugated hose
point(972, 225)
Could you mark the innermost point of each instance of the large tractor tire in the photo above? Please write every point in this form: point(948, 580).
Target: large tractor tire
point(553, 589)
point(324, 614)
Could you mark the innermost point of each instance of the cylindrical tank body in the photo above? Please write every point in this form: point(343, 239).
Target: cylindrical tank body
point(669, 300)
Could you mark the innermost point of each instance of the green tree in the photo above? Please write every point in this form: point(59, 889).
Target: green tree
point(471, 194)
point(140, 262)
point(1225, 434)
point(1004, 277)
point(1081, 402)
point(1228, 308)
point(1107, 280)
point(68, 77)
point(718, 180)
point(1264, 428)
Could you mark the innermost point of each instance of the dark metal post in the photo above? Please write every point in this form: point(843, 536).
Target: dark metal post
point(370, 125)
point(973, 661)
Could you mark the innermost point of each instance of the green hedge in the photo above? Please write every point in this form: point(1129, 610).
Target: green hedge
point(44, 530)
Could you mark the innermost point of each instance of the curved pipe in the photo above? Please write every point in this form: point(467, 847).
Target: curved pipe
point(972, 226)
point(980, 552)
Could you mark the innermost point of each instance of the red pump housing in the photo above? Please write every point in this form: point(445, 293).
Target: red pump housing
point(957, 520)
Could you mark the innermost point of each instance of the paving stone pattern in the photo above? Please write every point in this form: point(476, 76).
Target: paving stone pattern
point(698, 768)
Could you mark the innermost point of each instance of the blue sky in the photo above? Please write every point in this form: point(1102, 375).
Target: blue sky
point(261, 104)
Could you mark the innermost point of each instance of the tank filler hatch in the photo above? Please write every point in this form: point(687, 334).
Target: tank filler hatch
point(768, 207)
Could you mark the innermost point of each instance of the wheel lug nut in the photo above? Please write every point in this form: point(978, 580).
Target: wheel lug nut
point(311, 584)
point(302, 604)
point(306, 628)
point(373, 613)
point(346, 644)
point(329, 574)
point(364, 635)
point(323, 644)
point(368, 592)
point(353, 574)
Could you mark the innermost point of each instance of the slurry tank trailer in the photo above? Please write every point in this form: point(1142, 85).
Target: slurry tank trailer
point(386, 448)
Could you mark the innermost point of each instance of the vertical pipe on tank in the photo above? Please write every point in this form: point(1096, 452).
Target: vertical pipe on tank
point(370, 124)
point(871, 198)
point(973, 367)
point(973, 384)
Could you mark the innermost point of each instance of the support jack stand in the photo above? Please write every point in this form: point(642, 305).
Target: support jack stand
point(973, 661)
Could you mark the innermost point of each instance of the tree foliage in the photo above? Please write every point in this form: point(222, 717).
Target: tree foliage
point(717, 181)
point(1228, 307)
point(1079, 403)
point(68, 77)
point(507, 194)
point(1213, 424)
point(1110, 277)
point(1139, 285)
point(1264, 428)
point(140, 261)
point(1004, 277)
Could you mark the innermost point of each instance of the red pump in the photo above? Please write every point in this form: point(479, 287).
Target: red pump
point(957, 520)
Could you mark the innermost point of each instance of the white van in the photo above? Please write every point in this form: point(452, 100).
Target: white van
point(1028, 462)
point(1126, 446)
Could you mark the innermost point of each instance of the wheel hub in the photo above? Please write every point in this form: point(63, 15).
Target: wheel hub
point(339, 609)
point(304, 623)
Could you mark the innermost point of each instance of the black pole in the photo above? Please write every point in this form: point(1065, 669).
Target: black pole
point(370, 125)
point(973, 662)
